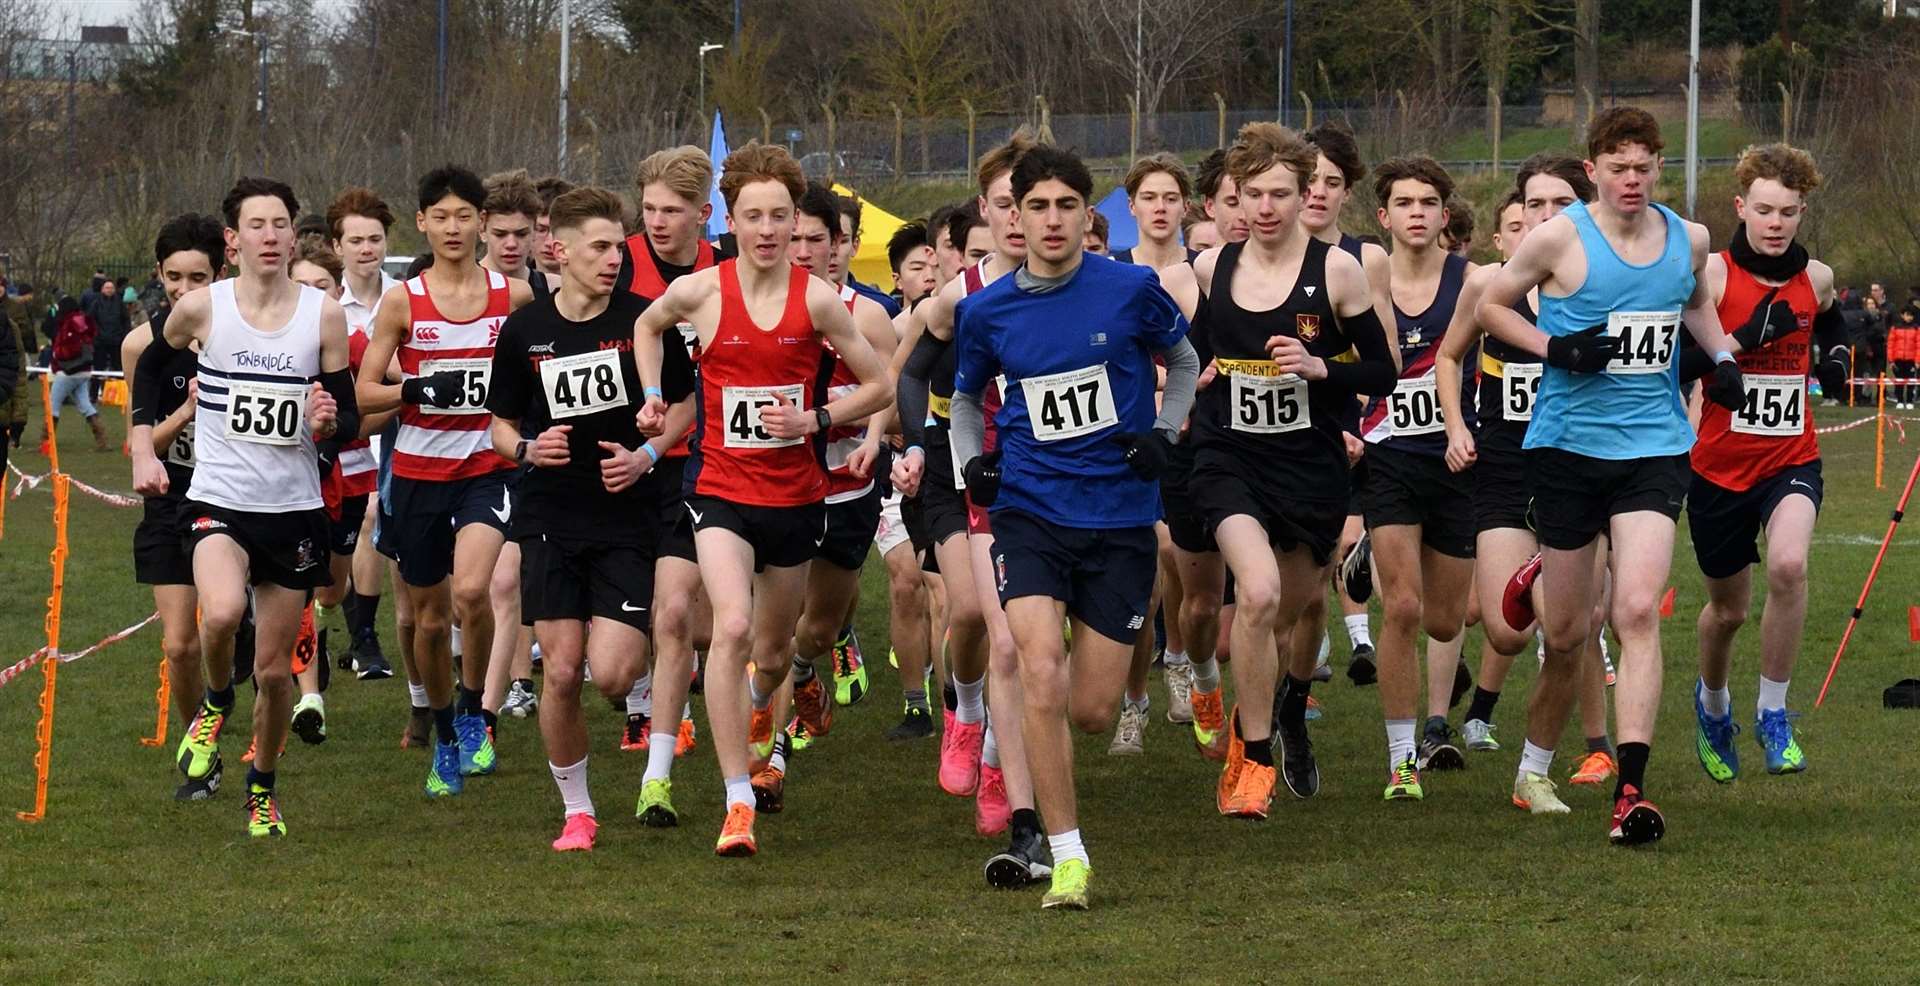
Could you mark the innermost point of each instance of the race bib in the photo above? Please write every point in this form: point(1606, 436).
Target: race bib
point(1414, 407)
point(583, 383)
point(1646, 341)
point(476, 374)
point(1519, 389)
point(1775, 407)
point(1070, 404)
point(1266, 401)
point(266, 413)
point(180, 450)
point(742, 405)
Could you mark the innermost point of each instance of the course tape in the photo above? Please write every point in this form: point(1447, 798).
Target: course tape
point(27, 663)
point(28, 482)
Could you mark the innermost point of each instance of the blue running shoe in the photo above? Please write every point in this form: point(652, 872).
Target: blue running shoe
point(1713, 741)
point(1774, 730)
point(443, 778)
point(476, 745)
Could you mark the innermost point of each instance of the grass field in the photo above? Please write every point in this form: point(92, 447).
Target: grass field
point(873, 875)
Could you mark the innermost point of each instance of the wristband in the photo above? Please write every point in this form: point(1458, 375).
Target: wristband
point(914, 448)
point(650, 392)
point(651, 454)
point(1723, 357)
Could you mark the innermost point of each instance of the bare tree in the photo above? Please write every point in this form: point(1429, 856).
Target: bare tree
point(909, 61)
point(1158, 43)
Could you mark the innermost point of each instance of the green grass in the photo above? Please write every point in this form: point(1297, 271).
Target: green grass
point(873, 875)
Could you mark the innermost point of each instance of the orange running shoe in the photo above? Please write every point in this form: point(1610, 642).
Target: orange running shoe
point(1253, 795)
point(759, 739)
point(683, 745)
point(1595, 768)
point(638, 734)
point(1210, 729)
point(1236, 757)
point(306, 643)
point(813, 707)
point(736, 834)
point(770, 790)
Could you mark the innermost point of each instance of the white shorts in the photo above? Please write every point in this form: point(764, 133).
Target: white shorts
point(891, 532)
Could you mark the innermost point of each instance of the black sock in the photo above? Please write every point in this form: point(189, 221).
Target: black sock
point(1483, 703)
point(492, 719)
point(346, 611)
point(1600, 744)
point(259, 778)
point(1633, 768)
point(1293, 699)
point(469, 701)
point(1260, 751)
point(1025, 820)
point(526, 683)
point(443, 725)
point(221, 699)
point(365, 611)
point(1436, 724)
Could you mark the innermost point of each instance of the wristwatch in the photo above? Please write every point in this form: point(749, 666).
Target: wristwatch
point(520, 450)
point(822, 418)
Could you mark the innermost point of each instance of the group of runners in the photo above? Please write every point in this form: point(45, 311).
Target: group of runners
point(664, 463)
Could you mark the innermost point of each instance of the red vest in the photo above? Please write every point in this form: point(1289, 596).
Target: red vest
point(1737, 449)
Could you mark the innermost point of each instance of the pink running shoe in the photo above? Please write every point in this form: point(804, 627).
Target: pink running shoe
point(960, 757)
point(991, 812)
point(578, 834)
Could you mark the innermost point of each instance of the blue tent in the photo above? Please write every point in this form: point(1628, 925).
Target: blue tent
point(717, 151)
point(1122, 231)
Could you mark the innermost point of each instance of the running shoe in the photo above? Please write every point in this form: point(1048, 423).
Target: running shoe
point(797, 736)
point(684, 743)
point(992, 813)
point(1479, 736)
point(1356, 570)
point(578, 833)
point(247, 757)
point(1129, 737)
point(1596, 768)
point(443, 776)
point(1636, 822)
point(263, 813)
point(914, 724)
point(369, 664)
point(759, 739)
point(1437, 750)
point(1179, 693)
point(1252, 795)
point(1210, 724)
point(1360, 668)
point(1026, 859)
point(1294, 749)
point(521, 701)
point(1713, 741)
point(1774, 731)
point(893, 659)
point(1516, 601)
point(419, 729)
point(960, 758)
point(769, 790)
point(310, 719)
point(813, 706)
point(476, 745)
point(1236, 760)
point(736, 833)
point(636, 736)
point(1534, 793)
point(655, 807)
point(202, 789)
point(849, 670)
point(1069, 889)
point(1403, 783)
point(199, 749)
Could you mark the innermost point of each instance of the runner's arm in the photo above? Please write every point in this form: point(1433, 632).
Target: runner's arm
point(915, 359)
point(1528, 268)
point(1380, 282)
point(1353, 304)
point(836, 325)
point(1176, 400)
point(334, 375)
point(372, 391)
point(186, 323)
point(1702, 321)
point(1462, 332)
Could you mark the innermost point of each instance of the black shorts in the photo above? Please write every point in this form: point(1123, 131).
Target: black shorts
point(1500, 486)
point(674, 535)
point(914, 516)
point(564, 579)
point(850, 529)
point(1726, 524)
point(1105, 576)
point(426, 515)
point(160, 554)
point(286, 549)
point(343, 535)
point(1357, 479)
point(1403, 488)
point(1185, 524)
point(943, 508)
point(1574, 496)
point(781, 537)
point(1225, 485)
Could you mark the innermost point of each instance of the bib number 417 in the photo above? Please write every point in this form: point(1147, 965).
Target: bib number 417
point(1070, 404)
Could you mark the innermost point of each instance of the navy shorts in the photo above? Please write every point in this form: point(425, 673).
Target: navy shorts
point(425, 515)
point(1104, 575)
point(1726, 524)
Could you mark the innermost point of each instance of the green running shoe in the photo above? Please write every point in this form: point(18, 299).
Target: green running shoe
point(1404, 783)
point(1713, 741)
point(849, 670)
point(1069, 888)
point(199, 749)
point(797, 735)
point(1774, 730)
point(476, 745)
point(443, 777)
point(263, 813)
point(655, 808)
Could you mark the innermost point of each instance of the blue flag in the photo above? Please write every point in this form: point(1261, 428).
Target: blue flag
point(717, 150)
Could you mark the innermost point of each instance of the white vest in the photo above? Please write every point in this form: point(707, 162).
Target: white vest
point(250, 430)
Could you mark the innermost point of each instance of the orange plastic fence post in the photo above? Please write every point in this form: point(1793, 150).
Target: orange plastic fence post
point(43, 733)
point(1851, 363)
point(161, 697)
point(3, 503)
point(52, 445)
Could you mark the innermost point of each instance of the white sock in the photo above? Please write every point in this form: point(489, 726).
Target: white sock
point(972, 707)
point(1176, 658)
point(573, 787)
point(802, 670)
point(1140, 703)
point(417, 694)
point(1357, 632)
point(778, 761)
point(640, 696)
point(1067, 846)
point(739, 791)
point(1326, 647)
point(1718, 701)
point(1773, 694)
point(1399, 741)
point(1534, 760)
point(659, 757)
point(990, 750)
point(759, 698)
point(1206, 674)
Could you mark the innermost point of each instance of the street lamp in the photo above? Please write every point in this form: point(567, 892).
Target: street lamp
point(702, 108)
point(260, 90)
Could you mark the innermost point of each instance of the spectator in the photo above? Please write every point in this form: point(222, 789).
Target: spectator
point(1903, 351)
point(18, 323)
point(109, 315)
point(13, 376)
point(74, 338)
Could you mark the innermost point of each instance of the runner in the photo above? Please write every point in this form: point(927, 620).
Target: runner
point(449, 501)
point(1758, 467)
point(253, 514)
point(1081, 450)
point(1606, 449)
point(900, 539)
point(1198, 231)
point(316, 266)
point(188, 253)
point(551, 187)
point(755, 486)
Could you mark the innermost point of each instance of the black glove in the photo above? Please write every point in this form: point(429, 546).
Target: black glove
point(1724, 386)
point(328, 450)
point(1585, 351)
point(1833, 371)
point(983, 479)
point(1770, 320)
point(443, 389)
point(1147, 452)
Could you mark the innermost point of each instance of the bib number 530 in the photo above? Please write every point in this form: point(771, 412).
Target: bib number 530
point(266, 413)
